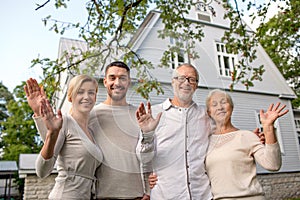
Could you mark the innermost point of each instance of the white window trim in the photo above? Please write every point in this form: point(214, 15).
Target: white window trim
point(174, 61)
point(277, 130)
point(297, 123)
point(224, 72)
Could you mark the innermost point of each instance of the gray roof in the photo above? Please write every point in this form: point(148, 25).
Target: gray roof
point(8, 166)
point(27, 165)
point(7, 169)
point(27, 161)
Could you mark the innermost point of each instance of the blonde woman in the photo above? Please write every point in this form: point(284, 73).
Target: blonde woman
point(68, 141)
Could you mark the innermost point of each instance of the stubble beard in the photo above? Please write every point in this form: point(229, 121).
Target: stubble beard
point(117, 97)
point(184, 97)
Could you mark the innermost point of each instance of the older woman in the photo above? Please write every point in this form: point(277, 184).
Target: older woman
point(232, 153)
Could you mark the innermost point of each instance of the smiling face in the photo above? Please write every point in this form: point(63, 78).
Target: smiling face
point(219, 107)
point(84, 99)
point(82, 93)
point(183, 91)
point(117, 82)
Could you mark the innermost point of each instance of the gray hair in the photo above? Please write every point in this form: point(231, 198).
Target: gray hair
point(175, 73)
point(212, 92)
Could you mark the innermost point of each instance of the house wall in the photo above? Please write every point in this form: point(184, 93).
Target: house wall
point(37, 188)
point(151, 48)
point(280, 186)
point(243, 117)
point(247, 102)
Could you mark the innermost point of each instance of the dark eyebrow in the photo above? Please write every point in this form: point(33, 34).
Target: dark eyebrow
point(112, 75)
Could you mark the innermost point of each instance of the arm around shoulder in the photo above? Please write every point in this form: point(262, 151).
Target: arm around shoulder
point(145, 149)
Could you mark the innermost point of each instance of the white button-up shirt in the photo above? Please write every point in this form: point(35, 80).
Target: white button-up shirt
point(177, 150)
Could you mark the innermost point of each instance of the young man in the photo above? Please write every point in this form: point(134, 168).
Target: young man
point(119, 176)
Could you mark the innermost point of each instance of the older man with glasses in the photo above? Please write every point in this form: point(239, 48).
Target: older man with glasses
point(174, 143)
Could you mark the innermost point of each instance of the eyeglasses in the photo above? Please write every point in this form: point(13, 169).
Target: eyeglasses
point(182, 79)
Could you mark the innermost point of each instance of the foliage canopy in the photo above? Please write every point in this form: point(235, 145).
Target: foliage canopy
point(18, 132)
point(110, 23)
point(280, 37)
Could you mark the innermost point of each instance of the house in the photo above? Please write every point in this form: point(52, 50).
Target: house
point(34, 187)
point(8, 187)
point(214, 66)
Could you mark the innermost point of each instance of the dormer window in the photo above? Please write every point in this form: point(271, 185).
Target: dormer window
point(177, 58)
point(226, 60)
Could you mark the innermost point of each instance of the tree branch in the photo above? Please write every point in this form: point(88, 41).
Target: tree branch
point(40, 6)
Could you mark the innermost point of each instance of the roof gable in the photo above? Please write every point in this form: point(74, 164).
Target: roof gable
point(147, 44)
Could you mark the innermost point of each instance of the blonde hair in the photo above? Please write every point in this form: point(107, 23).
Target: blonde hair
point(211, 93)
point(76, 83)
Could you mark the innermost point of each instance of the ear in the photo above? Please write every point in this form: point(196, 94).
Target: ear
point(195, 86)
point(104, 82)
point(172, 82)
point(208, 112)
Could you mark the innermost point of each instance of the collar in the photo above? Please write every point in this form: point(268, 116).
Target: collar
point(166, 105)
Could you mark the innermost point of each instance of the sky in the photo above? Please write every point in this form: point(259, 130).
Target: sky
point(24, 37)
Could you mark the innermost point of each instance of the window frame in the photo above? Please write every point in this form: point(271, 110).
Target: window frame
point(226, 62)
point(175, 58)
point(277, 130)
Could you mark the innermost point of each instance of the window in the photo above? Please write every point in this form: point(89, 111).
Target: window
point(226, 60)
point(177, 58)
point(277, 130)
point(204, 11)
point(297, 122)
point(203, 17)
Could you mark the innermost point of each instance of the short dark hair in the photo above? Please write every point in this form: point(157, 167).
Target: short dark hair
point(117, 64)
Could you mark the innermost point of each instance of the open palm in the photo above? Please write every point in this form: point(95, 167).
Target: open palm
point(53, 122)
point(35, 94)
point(273, 113)
point(144, 118)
